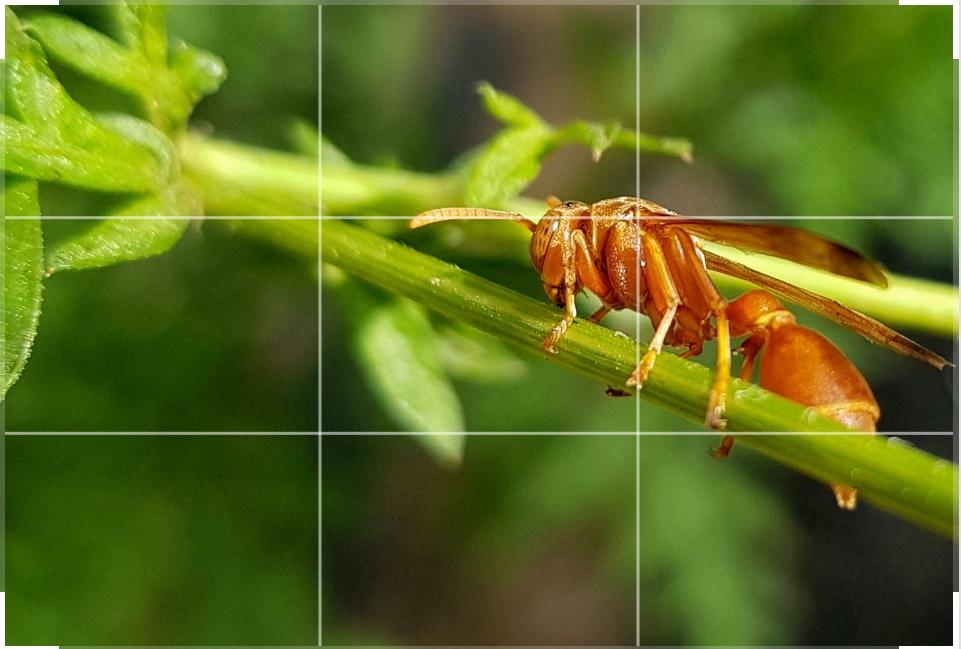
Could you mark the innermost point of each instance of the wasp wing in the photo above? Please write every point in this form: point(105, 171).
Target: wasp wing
point(859, 323)
point(789, 243)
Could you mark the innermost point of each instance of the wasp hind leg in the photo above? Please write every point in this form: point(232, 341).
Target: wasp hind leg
point(598, 315)
point(717, 402)
point(847, 497)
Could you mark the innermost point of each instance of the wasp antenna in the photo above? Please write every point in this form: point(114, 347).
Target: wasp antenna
point(461, 213)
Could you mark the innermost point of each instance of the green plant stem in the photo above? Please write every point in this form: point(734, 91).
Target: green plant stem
point(350, 190)
point(358, 189)
point(236, 179)
point(893, 476)
point(890, 473)
point(298, 236)
point(681, 385)
point(679, 147)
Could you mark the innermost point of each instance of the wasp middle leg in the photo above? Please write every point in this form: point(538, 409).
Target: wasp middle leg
point(702, 302)
point(578, 268)
point(666, 300)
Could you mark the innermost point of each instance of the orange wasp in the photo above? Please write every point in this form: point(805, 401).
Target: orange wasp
point(831, 384)
point(633, 253)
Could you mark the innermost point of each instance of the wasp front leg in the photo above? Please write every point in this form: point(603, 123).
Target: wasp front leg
point(570, 312)
point(579, 267)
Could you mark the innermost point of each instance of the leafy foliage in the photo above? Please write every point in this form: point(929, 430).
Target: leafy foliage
point(130, 160)
point(178, 78)
point(396, 346)
point(112, 241)
point(511, 160)
point(50, 137)
point(22, 274)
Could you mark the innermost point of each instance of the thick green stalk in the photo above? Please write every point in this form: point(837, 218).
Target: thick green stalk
point(889, 473)
point(237, 179)
point(299, 236)
point(893, 476)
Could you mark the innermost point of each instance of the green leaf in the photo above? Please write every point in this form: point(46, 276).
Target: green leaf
point(112, 241)
point(48, 136)
point(507, 108)
point(89, 52)
point(172, 91)
point(331, 156)
point(396, 349)
point(672, 146)
point(447, 448)
point(304, 138)
point(146, 28)
point(22, 276)
point(141, 132)
point(472, 355)
point(598, 137)
point(506, 165)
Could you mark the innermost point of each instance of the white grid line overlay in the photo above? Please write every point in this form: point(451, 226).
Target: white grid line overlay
point(320, 433)
point(320, 327)
point(475, 433)
point(637, 336)
point(407, 217)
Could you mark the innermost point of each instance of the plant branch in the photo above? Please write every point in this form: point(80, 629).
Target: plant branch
point(239, 179)
point(889, 473)
point(893, 476)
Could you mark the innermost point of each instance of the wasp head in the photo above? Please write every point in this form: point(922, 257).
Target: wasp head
point(548, 242)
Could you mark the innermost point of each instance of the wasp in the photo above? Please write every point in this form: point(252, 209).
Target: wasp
point(633, 253)
point(802, 365)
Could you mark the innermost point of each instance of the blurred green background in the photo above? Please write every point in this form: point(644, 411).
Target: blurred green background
point(157, 540)
point(178, 540)
point(793, 111)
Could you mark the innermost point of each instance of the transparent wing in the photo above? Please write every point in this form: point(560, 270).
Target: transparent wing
point(859, 323)
point(794, 244)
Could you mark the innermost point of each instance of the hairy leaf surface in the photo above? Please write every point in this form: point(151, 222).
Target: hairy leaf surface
point(22, 276)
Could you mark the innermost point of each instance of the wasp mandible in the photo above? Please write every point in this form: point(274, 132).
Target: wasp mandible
point(633, 253)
